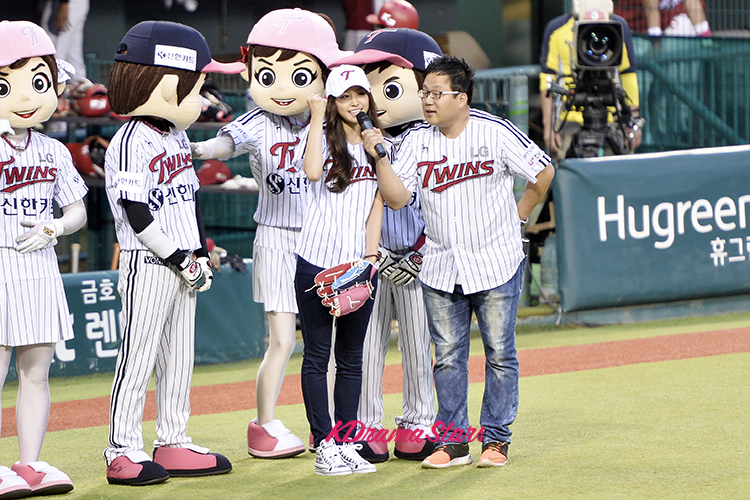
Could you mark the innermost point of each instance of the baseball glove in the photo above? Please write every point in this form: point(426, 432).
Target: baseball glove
point(349, 300)
point(346, 287)
point(407, 269)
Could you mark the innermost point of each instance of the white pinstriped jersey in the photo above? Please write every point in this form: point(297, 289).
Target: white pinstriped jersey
point(147, 166)
point(466, 190)
point(402, 228)
point(33, 308)
point(334, 228)
point(31, 179)
point(273, 142)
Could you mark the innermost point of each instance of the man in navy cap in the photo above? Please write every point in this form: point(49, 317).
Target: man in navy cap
point(394, 60)
point(151, 186)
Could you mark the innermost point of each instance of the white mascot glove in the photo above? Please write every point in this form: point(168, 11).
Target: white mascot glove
point(5, 127)
point(407, 269)
point(385, 262)
point(208, 275)
point(42, 234)
point(198, 149)
point(191, 271)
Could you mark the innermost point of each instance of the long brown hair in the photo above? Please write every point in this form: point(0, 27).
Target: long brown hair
point(130, 85)
point(341, 170)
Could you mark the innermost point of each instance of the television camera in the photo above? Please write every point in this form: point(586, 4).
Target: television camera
point(595, 89)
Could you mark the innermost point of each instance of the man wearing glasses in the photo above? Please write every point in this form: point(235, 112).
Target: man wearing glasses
point(473, 256)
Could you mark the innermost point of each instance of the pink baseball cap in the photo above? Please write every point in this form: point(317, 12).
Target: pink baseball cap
point(297, 29)
point(21, 39)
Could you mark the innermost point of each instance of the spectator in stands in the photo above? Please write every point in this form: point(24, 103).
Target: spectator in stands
point(64, 21)
point(665, 17)
point(556, 62)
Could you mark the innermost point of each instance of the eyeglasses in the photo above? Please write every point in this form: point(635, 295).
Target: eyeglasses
point(435, 94)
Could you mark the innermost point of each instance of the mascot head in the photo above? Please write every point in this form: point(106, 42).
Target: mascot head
point(158, 71)
point(30, 78)
point(288, 54)
point(395, 60)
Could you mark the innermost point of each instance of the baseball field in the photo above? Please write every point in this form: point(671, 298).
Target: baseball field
point(647, 411)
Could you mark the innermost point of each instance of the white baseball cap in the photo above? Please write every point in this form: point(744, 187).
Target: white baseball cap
point(344, 77)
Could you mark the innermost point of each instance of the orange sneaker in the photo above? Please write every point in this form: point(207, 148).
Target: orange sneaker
point(448, 455)
point(494, 454)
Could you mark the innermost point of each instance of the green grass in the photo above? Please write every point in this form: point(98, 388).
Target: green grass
point(669, 430)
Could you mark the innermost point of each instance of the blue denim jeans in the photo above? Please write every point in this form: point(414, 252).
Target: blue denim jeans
point(449, 319)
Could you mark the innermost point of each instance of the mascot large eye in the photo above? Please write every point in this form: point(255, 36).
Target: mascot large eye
point(266, 77)
point(41, 83)
point(393, 91)
point(303, 77)
point(4, 87)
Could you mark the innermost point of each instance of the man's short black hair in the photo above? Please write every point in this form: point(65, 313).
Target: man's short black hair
point(459, 73)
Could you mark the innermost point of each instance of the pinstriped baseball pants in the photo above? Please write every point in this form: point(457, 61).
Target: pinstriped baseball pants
point(158, 331)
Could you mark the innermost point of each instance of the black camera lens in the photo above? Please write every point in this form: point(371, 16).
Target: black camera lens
point(599, 45)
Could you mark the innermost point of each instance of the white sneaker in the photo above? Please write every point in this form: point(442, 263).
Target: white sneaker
point(356, 463)
point(328, 461)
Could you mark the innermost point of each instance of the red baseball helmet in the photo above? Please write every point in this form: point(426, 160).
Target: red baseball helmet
point(396, 14)
point(213, 172)
point(82, 156)
point(93, 102)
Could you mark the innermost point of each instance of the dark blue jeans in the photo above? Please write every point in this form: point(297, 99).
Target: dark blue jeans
point(316, 323)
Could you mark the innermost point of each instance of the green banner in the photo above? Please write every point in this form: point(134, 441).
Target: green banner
point(653, 228)
point(229, 326)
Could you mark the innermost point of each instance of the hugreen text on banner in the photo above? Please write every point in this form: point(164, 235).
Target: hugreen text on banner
point(653, 228)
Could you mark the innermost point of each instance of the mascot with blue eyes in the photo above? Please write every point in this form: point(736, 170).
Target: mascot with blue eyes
point(34, 316)
point(287, 57)
point(394, 60)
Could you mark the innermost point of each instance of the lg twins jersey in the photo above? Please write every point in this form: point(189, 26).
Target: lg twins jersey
point(273, 142)
point(466, 191)
point(146, 165)
point(334, 229)
point(30, 179)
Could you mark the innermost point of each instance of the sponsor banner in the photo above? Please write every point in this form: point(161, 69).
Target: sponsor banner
point(229, 326)
point(653, 228)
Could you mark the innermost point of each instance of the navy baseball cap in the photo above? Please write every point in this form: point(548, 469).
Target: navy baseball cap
point(403, 47)
point(174, 45)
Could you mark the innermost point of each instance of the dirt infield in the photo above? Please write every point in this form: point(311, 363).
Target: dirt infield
point(241, 395)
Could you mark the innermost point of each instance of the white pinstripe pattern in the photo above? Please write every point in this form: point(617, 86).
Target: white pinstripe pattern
point(406, 304)
point(401, 229)
point(157, 318)
point(31, 179)
point(274, 143)
point(458, 178)
point(334, 230)
point(33, 307)
point(163, 164)
point(274, 265)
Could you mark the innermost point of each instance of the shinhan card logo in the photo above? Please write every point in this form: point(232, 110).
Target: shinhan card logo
point(175, 57)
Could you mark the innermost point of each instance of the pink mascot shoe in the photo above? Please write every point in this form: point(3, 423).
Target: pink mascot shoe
point(272, 440)
point(43, 479)
point(192, 461)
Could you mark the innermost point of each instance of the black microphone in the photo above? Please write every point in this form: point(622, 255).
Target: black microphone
point(366, 124)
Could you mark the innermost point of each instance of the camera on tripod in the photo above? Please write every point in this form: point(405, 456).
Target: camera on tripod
point(595, 89)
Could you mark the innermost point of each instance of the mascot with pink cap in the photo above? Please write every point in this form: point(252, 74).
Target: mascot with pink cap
point(34, 314)
point(394, 60)
point(288, 54)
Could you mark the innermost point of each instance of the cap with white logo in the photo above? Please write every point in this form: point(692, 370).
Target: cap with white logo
point(174, 45)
